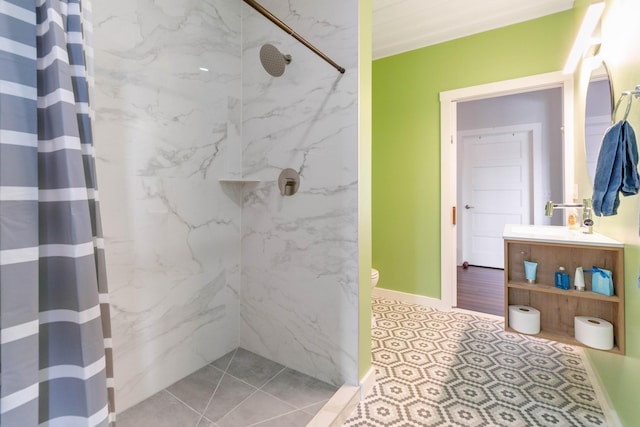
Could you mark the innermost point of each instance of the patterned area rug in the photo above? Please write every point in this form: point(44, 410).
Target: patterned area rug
point(438, 368)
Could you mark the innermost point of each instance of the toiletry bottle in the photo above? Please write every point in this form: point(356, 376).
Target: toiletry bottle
point(562, 279)
point(578, 281)
point(530, 271)
point(565, 281)
point(558, 277)
point(572, 220)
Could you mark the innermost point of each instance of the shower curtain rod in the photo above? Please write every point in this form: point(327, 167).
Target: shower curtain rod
point(271, 17)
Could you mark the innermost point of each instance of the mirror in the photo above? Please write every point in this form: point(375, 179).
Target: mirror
point(598, 109)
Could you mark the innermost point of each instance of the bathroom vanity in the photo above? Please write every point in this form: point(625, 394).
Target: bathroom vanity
point(551, 247)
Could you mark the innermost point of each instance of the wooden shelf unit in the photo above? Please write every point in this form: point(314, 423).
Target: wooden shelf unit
point(558, 307)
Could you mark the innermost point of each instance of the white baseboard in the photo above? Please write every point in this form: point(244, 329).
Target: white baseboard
point(367, 383)
point(336, 411)
point(603, 398)
point(411, 298)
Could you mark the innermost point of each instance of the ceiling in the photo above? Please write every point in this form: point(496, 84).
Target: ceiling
point(403, 25)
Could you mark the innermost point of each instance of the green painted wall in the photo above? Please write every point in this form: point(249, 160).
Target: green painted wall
point(406, 157)
point(406, 136)
point(364, 188)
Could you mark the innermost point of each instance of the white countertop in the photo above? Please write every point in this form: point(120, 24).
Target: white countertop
point(556, 234)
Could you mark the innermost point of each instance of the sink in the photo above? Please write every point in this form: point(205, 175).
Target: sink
point(549, 231)
point(556, 234)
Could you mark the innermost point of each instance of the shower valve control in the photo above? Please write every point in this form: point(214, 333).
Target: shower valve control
point(289, 182)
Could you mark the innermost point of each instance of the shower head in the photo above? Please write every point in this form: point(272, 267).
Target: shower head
point(273, 60)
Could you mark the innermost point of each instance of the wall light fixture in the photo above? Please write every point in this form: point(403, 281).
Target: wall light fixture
point(584, 39)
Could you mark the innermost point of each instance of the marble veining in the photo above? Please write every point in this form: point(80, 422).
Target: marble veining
point(299, 254)
point(172, 234)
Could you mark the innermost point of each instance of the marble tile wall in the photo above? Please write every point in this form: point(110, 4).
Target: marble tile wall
point(166, 131)
point(299, 299)
point(197, 267)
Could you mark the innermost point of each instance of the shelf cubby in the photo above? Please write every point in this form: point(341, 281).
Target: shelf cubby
point(558, 307)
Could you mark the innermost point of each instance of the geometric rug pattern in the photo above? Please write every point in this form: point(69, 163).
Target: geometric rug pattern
point(437, 368)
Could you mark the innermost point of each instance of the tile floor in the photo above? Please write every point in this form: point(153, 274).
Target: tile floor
point(432, 369)
point(237, 390)
point(437, 368)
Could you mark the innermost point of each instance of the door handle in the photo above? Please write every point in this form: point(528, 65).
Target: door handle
point(469, 207)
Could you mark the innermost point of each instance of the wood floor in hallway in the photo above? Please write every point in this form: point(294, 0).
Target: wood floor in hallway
point(481, 289)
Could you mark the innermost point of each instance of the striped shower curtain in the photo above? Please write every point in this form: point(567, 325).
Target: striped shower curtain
point(55, 345)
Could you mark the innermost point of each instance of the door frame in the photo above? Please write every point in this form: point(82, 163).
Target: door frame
point(534, 131)
point(448, 159)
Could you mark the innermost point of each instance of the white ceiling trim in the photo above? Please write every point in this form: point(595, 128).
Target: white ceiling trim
point(404, 25)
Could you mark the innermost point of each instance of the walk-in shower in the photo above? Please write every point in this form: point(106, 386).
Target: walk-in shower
point(204, 253)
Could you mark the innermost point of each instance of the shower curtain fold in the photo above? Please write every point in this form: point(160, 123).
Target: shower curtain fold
point(55, 335)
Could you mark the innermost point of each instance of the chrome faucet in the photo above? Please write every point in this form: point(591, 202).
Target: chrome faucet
point(586, 207)
point(587, 221)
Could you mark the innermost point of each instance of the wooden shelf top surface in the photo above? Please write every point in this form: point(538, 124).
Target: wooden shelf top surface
point(535, 287)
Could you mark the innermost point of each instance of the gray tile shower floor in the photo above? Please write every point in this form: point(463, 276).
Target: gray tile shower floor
point(239, 389)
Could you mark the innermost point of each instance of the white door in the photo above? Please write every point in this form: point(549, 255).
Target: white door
point(496, 190)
